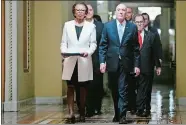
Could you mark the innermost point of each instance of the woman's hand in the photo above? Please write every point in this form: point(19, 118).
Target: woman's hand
point(84, 54)
point(64, 55)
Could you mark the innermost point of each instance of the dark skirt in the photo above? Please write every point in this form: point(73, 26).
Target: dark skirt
point(74, 78)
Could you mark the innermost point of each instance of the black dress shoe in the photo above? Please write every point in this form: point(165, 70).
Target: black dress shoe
point(71, 120)
point(146, 113)
point(88, 114)
point(98, 113)
point(139, 113)
point(123, 120)
point(115, 119)
point(133, 112)
point(82, 119)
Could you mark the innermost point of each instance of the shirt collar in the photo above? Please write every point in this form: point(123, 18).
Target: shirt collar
point(146, 28)
point(123, 23)
point(142, 32)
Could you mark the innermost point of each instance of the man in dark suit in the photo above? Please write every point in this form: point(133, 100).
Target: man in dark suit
point(148, 27)
point(148, 59)
point(129, 14)
point(153, 30)
point(132, 80)
point(97, 18)
point(119, 55)
point(95, 87)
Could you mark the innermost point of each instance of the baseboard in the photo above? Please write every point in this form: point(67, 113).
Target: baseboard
point(26, 102)
point(181, 101)
point(11, 106)
point(64, 99)
point(16, 106)
point(2, 106)
point(49, 100)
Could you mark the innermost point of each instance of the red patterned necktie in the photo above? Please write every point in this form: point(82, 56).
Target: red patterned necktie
point(140, 38)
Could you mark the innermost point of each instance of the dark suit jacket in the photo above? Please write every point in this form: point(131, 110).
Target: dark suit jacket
point(95, 55)
point(148, 53)
point(157, 39)
point(110, 47)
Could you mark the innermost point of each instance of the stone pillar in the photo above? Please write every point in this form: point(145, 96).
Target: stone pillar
point(164, 26)
point(11, 85)
point(102, 10)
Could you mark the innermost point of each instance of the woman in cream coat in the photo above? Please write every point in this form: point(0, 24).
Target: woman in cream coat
point(79, 36)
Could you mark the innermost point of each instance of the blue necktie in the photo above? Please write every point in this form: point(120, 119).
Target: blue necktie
point(120, 32)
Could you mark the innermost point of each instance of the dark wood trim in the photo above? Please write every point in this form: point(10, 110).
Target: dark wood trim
point(25, 38)
point(2, 51)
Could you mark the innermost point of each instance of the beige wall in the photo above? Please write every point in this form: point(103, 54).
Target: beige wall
point(44, 76)
point(25, 80)
point(180, 49)
point(47, 59)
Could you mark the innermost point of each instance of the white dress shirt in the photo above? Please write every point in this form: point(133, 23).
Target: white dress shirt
point(123, 25)
point(142, 35)
point(146, 28)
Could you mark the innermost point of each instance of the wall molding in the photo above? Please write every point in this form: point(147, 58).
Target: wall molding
point(26, 102)
point(11, 89)
point(181, 101)
point(11, 106)
point(16, 106)
point(2, 106)
point(49, 100)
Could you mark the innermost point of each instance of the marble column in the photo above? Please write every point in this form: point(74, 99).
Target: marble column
point(102, 10)
point(165, 26)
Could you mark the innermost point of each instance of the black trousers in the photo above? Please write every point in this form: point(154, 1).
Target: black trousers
point(144, 89)
point(118, 83)
point(95, 93)
point(132, 93)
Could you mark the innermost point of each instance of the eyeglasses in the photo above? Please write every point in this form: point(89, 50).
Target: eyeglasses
point(80, 10)
point(139, 22)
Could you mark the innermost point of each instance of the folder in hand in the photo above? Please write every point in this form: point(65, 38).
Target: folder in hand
point(72, 54)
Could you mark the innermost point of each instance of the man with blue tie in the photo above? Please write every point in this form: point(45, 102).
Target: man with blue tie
point(119, 55)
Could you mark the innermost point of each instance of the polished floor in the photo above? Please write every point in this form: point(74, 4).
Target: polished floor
point(164, 109)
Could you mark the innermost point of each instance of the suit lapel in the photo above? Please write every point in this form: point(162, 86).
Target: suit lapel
point(83, 30)
point(126, 31)
point(73, 31)
point(97, 30)
point(145, 39)
point(116, 31)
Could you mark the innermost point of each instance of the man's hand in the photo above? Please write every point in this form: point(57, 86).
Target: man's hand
point(84, 54)
point(102, 67)
point(158, 71)
point(137, 71)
